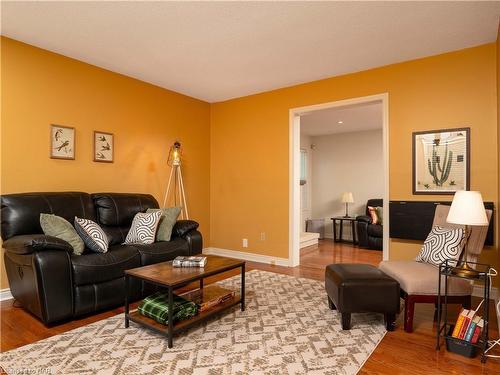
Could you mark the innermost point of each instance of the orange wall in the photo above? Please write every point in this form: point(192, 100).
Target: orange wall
point(498, 150)
point(250, 141)
point(39, 88)
point(236, 152)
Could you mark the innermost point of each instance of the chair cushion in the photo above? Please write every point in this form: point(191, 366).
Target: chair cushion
point(93, 268)
point(422, 278)
point(162, 251)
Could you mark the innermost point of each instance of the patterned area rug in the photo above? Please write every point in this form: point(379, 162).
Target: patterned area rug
point(287, 328)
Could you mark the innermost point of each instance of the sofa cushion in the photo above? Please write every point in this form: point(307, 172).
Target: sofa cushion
point(422, 278)
point(93, 268)
point(375, 230)
point(167, 221)
point(116, 235)
point(162, 251)
point(20, 213)
point(119, 209)
point(143, 228)
point(59, 227)
point(92, 234)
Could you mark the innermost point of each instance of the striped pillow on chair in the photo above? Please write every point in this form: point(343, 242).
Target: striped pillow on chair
point(441, 244)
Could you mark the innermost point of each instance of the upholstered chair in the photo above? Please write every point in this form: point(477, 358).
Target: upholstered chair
point(370, 235)
point(419, 281)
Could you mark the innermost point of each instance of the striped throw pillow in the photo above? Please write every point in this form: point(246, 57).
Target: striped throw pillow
point(92, 235)
point(143, 228)
point(441, 244)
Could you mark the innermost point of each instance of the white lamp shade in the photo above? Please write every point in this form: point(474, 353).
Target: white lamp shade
point(467, 208)
point(347, 197)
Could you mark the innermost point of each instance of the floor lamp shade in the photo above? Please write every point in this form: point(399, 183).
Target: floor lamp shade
point(467, 208)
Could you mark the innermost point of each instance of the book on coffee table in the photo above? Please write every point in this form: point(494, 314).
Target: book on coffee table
point(209, 296)
point(189, 261)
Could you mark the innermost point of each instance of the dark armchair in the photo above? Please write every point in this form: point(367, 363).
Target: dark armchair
point(370, 235)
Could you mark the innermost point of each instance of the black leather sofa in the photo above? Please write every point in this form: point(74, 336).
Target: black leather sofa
point(370, 235)
point(55, 285)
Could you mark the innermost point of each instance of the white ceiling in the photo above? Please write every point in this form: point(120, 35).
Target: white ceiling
point(220, 50)
point(354, 118)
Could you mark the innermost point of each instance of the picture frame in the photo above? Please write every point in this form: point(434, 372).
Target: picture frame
point(104, 147)
point(441, 161)
point(62, 142)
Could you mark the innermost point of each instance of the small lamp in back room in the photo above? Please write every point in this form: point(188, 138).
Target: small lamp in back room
point(467, 209)
point(347, 198)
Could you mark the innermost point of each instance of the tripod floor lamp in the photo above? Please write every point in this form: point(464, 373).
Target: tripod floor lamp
point(175, 187)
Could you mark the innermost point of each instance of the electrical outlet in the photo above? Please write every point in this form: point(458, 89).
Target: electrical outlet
point(262, 236)
point(245, 242)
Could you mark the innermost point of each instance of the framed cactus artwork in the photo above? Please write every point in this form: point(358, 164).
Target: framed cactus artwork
point(441, 161)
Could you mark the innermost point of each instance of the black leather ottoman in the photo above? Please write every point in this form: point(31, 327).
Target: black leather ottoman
point(357, 288)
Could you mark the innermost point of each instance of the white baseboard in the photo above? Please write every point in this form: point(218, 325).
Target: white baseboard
point(5, 294)
point(308, 243)
point(247, 256)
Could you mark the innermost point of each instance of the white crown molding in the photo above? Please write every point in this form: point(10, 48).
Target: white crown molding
point(5, 294)
point(247, 256)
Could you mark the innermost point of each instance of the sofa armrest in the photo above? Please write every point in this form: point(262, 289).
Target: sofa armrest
point(195, 242)
point(362, 230)
point(364, 219)
point(183, 227)
point(30, 243)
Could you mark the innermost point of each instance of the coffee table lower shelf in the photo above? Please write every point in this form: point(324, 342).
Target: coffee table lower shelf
point(138, 318)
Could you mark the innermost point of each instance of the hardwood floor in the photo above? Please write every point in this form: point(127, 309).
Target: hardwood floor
point(398, 353)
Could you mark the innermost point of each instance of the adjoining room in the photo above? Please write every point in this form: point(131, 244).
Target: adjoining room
point(342, 181)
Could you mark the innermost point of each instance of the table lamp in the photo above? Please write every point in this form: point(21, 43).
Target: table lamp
point(347, 198)
point(467, 209)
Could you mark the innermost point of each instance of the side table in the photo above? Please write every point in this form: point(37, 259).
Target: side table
point(341, 220)
point(447, 269)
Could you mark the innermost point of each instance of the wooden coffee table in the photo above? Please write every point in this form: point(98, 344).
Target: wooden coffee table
point(169, 277)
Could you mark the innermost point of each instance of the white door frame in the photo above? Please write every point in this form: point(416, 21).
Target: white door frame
point(294, 169)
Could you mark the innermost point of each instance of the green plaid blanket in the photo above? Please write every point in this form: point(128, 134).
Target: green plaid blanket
point(155, 307)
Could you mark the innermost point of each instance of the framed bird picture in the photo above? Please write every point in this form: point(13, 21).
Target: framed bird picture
point(62, 142)
point(104, 147)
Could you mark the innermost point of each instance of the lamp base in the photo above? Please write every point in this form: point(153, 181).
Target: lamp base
point(465, 271)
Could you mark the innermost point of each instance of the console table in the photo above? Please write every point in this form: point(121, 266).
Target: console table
point(341, 220)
